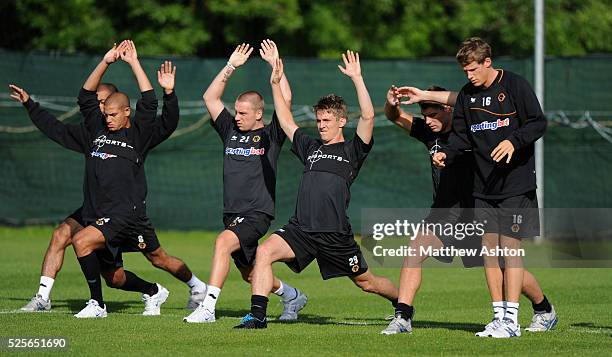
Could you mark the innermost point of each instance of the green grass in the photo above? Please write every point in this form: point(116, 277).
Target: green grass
point(339, 319)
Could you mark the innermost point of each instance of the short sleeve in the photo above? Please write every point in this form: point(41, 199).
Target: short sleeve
point(359, 150)
point(420, 130)
point(276, 132)
point(302, 142)
point(224, 124)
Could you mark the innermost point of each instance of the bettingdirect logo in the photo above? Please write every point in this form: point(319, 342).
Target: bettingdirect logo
point(245, 152)
point(485, 125)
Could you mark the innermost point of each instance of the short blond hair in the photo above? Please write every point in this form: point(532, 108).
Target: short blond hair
point(474, 49)
point(253, 97)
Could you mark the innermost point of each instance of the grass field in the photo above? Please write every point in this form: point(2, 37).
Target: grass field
point(339, 319)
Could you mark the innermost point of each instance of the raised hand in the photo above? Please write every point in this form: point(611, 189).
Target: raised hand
point(414, 95)
point(112, 55)
point(18, 94)
point(352, 67)
point(277, 71)
point(241, 55)
point(392, 97)
point(166, 75)
point(128, 52)
point(268, 51)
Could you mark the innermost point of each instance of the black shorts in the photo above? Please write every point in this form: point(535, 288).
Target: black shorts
point(126, 235)
point(77, 215)
point(516, 217)
point(337, 254)
point(463, 238)
point(249, 229)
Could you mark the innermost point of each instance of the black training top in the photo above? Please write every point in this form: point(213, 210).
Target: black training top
point(329, 172)
point(249, 165)
point(114, 177)
point(456, 180)
point(484, 117)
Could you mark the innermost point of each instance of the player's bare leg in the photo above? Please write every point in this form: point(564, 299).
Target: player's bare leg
point(378, 285)
point(175, 266)
point(531, 288)
point(513, 278)
point(60, 240)
point(495, 282)
point(410, 275)
point(274, 249)
point(227, 243)
point(52, 264)
point(410, 282)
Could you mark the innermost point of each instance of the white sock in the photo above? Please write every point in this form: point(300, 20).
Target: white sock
point(196, 284)
point(44, 289)
point(512, 309)
point(499, 309)
point(286, 292)
point(212, 295)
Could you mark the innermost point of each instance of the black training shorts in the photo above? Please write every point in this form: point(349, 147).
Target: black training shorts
point(337, 254)
point(126, 235)
point(516, 217)
point(249, 229)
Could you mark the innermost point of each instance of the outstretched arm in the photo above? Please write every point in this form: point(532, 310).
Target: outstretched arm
point(212, 96)
point(269, 53)
point(394, 113)
point(128, 54)
point(167, 123)
point(92, 82)
point(352, 68)
point(416, 95)
point(283, 112)
point(70, 136)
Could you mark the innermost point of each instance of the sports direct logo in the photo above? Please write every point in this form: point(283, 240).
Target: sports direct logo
point(485, 125)
point(245, 152)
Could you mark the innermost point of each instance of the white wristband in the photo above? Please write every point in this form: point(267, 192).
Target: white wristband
point(230, 66)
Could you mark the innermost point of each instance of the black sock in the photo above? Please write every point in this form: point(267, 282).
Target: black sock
point(394, 302)
point(91, 269)
point(134, 283)
point(404, 310)
point(544, 305)
point(259, 304)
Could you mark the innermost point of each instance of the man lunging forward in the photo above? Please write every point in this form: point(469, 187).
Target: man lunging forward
point(320, 228)
point(249, 180)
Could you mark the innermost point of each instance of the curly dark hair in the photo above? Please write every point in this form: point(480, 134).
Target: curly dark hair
point(332, 103)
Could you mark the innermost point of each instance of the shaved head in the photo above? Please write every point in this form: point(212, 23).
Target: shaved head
point(109, 87)
point(117, 99)
point(252, 97)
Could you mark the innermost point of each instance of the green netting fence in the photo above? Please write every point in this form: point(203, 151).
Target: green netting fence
point(40, 182)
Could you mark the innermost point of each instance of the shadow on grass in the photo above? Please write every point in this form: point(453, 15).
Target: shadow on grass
point(447, 325)
point(327, 320)
point(594, 328)
point(76, 305)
